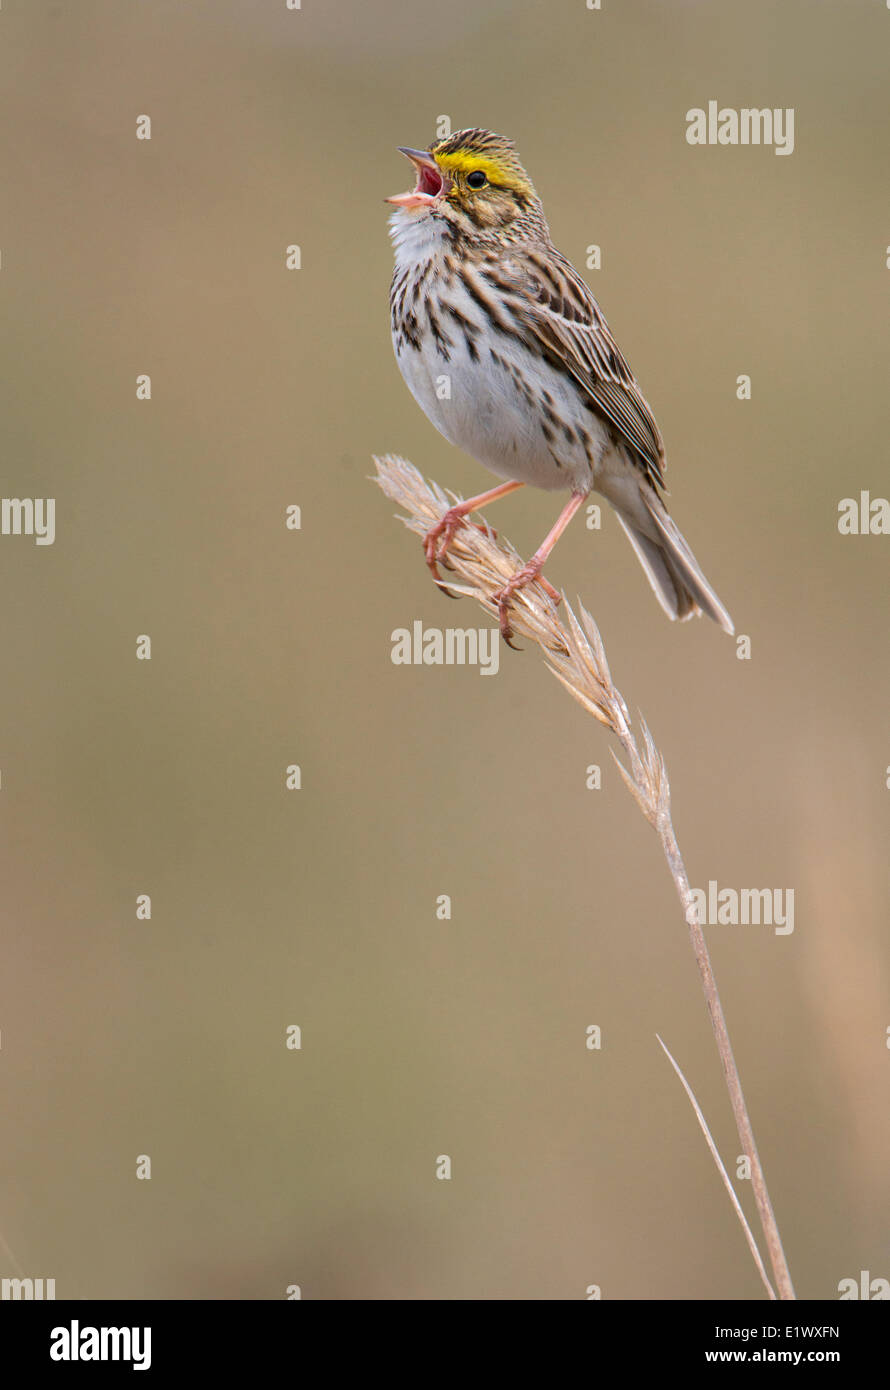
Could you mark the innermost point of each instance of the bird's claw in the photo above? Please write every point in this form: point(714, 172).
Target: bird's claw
point(504, 597)
point(435, 547)
point(439, 537)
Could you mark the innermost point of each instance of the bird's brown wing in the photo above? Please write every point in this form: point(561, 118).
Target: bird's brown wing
point(552, 305)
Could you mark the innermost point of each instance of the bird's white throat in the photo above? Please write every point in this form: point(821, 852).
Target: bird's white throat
point(416, 237)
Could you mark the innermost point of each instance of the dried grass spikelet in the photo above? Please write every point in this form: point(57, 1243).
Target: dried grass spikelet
point(573, 649)
point(575, 654)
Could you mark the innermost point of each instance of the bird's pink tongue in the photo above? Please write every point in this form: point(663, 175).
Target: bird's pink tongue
point(429, 181)
point(429, 186)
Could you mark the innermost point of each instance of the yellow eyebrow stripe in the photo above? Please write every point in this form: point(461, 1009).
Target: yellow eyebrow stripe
point(464, 162)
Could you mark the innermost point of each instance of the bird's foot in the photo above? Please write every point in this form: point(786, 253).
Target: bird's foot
point(439, 538)
point(504, 597)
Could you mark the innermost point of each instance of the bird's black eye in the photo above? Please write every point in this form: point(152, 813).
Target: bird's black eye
point(476, 179)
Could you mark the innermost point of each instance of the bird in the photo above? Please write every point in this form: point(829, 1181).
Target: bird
point(505, 349)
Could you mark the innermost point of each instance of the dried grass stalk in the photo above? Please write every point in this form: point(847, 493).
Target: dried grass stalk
point(575, 654)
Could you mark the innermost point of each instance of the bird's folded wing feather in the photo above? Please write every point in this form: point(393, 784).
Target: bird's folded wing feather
point(561, 316)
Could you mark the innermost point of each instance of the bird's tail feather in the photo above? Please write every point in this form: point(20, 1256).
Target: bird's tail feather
point(670, 566)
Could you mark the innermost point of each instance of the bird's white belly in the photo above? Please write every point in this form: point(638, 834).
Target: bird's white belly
point(516, 415)
point(481, 387)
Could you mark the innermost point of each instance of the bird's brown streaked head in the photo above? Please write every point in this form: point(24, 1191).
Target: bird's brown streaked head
point(475, 180)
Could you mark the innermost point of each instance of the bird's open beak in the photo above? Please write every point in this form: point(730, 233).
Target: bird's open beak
point(431, 182)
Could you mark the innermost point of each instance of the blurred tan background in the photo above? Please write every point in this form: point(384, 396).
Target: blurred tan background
point(317, 907)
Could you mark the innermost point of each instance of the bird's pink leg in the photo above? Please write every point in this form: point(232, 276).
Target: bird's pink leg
point(439, 537)
point(532, 568)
